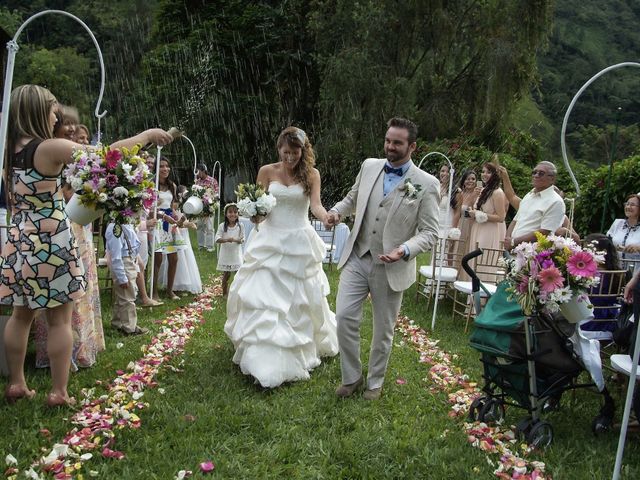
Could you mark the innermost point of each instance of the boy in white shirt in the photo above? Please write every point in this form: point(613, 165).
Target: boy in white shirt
point(123, 250)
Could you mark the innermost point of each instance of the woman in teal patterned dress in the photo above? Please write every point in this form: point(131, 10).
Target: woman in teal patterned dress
point(40, 268)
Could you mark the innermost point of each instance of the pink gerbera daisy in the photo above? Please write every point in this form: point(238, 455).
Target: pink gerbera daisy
point(582, 264)
point(550, 279)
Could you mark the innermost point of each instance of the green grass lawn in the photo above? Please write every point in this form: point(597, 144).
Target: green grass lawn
point(210, 411)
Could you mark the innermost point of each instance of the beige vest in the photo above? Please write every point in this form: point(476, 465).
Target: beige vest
point(375, 217)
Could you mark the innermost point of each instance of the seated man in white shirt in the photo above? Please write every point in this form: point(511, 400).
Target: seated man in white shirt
point(541, 210)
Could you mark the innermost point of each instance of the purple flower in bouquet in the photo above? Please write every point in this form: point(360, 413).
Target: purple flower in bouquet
point(112, 180)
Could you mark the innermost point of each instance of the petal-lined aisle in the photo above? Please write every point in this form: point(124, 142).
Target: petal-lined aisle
point(102, 415)
point(448, 378)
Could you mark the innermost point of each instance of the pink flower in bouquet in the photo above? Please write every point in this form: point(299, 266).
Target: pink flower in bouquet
point(550, 279)
point(112, 180)
point(112, 158)
point(127, 212)
point(582, 264)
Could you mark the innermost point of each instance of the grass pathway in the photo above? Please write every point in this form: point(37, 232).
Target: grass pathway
point(210, 411)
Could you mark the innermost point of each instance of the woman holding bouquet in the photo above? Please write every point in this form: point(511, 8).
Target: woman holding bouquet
point(278, 317)
point(41, 268)
point(488, 228)
point(168, 238)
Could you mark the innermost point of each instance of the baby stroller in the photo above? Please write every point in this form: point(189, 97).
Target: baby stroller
point(528, 362)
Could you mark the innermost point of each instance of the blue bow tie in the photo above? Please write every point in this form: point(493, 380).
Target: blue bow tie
point(394, 171)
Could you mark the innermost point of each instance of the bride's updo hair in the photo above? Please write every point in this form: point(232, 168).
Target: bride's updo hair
point(296, 137)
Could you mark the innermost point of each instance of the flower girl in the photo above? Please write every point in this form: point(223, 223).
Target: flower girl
point(230, 236)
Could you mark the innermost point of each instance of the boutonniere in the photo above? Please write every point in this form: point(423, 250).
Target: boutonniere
point(411, 190)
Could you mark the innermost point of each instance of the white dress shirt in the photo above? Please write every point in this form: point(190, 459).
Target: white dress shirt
point(542, 210)
point(126, 245)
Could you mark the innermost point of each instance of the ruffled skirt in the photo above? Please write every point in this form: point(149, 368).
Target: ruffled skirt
point(278, 317)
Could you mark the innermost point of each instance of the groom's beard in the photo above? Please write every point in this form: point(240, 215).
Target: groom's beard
point(396, 155)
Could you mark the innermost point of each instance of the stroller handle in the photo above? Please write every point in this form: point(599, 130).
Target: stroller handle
point(465, 262)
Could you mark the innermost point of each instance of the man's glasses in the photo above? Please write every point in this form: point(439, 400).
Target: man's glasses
point(629, 204)
point(539, 173)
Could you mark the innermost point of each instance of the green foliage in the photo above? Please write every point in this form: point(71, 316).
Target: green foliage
point(454, 67)
point(62, 70)
point(590, 205)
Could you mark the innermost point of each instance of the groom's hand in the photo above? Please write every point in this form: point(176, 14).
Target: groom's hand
point(395, 255)
point(332, 219)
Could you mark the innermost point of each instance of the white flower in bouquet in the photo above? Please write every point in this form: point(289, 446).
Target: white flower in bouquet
point(247, 208)
point(120, 192)
point(76, 184)
point(265, 203)
point(102, 197)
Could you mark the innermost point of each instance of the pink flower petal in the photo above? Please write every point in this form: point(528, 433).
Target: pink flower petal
point(207, 467)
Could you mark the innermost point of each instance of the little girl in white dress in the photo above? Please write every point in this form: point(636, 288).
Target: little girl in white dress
point(230, 236)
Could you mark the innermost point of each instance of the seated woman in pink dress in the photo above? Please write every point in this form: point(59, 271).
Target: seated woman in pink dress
point(488, 228)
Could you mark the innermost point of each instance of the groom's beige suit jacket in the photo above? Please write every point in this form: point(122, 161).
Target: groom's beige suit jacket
point(384, 223)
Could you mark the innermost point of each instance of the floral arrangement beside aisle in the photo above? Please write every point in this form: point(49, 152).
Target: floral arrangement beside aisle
point(551, 272)
point(210, 200)
point(117, 180)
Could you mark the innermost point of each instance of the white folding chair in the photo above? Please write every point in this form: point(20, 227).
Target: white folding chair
point(490, 273)
point(328, 237)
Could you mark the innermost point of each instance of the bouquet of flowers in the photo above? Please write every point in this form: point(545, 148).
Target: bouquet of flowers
point(551, 271)
point(254, 201)
point(210, 200)
point(118, 181)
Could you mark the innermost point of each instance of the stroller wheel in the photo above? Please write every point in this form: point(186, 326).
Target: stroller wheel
point(492, 411)
point(523, 427)
point(601, 424)
point(540, 435)
point(475, 408)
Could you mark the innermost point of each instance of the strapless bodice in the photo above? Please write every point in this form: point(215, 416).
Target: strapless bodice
point(292, 206)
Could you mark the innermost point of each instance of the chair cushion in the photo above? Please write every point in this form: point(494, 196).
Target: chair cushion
point(465, 287)
point(622, 363)
point(446, 274)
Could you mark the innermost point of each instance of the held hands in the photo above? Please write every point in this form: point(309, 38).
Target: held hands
point(632, 249)
point(395, 255)
point(331, 220)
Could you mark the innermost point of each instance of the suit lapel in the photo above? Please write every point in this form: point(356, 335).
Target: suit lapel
point(369, 185)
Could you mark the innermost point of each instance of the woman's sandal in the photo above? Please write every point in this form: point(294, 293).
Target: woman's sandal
point(13, 393)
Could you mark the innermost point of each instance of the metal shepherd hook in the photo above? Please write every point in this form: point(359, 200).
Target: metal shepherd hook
point(441, 240)
point(12, 46)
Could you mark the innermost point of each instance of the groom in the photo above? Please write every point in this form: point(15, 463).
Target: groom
point(396, 218)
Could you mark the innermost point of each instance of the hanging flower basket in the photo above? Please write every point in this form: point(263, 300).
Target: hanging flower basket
point(192, 205)
point(79, 213)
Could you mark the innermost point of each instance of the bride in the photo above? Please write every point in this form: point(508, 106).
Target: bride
point(277, 315)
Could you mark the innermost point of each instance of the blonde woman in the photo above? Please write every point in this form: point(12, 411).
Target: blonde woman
point(35, 275)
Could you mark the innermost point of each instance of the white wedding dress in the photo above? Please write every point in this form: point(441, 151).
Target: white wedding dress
point(277, 315)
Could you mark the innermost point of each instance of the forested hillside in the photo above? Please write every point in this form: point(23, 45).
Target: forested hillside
point(479, 77)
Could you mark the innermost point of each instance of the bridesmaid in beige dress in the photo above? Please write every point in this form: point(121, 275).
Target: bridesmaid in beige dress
point(488, 228)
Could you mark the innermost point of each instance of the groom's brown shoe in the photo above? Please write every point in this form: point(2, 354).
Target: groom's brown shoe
point(372, 394)
point(344, 391)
